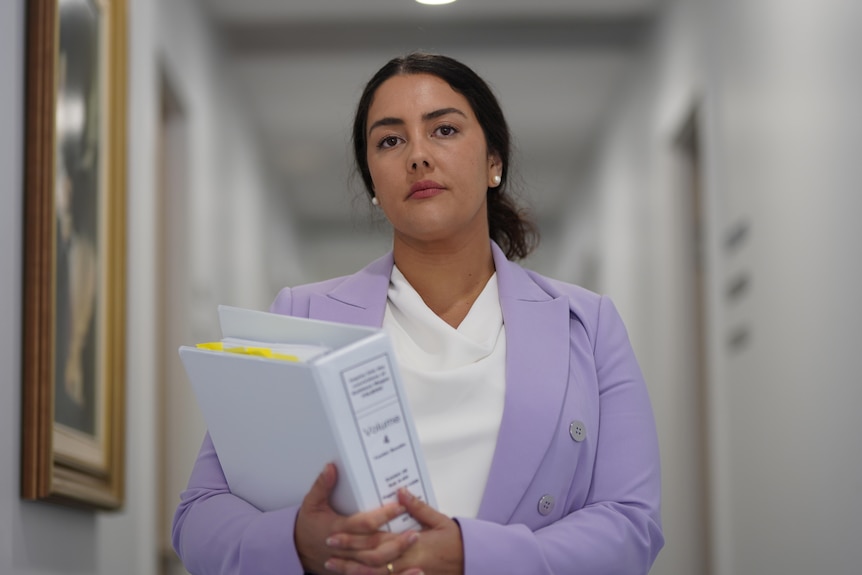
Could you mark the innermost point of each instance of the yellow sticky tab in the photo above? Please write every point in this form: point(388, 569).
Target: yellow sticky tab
point(244, 350)
point(260, 351)
point(212, 346)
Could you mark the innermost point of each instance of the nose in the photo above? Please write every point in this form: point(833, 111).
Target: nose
point(418, 156)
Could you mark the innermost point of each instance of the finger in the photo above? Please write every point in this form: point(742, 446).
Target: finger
point(374, 520)
point(376, 550)
point(389, 550)
point(419, 510)
point(321, 489)
point(348, 542)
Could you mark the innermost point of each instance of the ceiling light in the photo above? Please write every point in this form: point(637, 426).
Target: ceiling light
point(435, 2)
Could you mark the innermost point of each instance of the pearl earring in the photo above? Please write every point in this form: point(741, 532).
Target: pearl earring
point(375, 201)
point(497, 180)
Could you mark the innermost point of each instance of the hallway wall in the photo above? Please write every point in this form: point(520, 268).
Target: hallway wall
point(778, 93)
point(787, 132)
point(235, 249)
point(240, 249)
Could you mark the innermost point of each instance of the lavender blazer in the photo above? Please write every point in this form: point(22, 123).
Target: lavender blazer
point(568, 361)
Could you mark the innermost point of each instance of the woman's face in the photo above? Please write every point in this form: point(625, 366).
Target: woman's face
point(428, 160)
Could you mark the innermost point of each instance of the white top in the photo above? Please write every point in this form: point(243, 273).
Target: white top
point(455, 380)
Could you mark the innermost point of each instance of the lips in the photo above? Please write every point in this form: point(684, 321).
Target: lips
point(425, 189)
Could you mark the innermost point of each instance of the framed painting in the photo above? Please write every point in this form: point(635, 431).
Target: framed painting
point(73, 416)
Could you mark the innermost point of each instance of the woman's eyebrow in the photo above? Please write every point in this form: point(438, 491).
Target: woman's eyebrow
point(442, 112)
point(390, 121)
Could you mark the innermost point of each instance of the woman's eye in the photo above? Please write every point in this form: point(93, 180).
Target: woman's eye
point(388, 142)
point(447, 130)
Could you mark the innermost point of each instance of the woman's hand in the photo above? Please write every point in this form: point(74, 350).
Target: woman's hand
point(328, 542)
point(436, 550)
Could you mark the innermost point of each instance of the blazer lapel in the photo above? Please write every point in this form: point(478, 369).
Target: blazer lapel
point(537, 365)
point(360, 299)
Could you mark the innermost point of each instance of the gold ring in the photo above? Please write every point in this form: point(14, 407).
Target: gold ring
point(390, 568)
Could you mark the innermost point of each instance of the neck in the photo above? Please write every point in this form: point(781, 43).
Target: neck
point(449, 278)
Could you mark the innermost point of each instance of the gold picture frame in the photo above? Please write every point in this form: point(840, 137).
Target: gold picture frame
point(73, 401)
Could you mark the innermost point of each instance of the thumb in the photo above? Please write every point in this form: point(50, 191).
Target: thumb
point(419, 510)
point(321, 489)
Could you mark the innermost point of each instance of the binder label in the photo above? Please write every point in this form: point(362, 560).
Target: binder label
point(379, 415)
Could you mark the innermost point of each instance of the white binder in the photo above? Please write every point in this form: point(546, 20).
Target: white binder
point(275, 423)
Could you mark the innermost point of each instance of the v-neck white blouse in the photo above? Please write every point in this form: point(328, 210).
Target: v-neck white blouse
point(455, 380)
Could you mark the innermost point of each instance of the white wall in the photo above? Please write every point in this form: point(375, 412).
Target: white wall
point(779, 90)
point(787, 132)
point(232, 258)
point(233, 251)
point(241, 248)
point(229, 185)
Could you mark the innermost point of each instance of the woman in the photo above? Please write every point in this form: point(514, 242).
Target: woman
point(529, 403)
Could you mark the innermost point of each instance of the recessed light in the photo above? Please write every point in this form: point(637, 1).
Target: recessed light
point(435, 2)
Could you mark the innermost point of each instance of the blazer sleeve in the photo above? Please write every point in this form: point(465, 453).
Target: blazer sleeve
point(217, 533)
point(618, 529)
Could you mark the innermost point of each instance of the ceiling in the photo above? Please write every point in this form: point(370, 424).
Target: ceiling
point(555, 65)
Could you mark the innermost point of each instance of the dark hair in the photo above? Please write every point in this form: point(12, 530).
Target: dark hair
point(507, 223)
